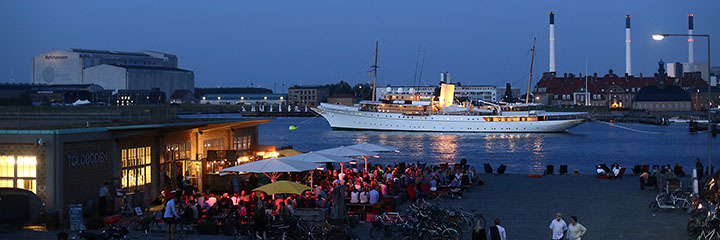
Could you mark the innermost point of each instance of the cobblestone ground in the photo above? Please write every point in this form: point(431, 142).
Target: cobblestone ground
point(610, 209)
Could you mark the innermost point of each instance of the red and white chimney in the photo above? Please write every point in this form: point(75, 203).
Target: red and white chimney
point(552, 42)
point(691, 40)
point(628, 57)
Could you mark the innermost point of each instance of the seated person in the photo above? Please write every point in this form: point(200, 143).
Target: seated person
point(455, 189)
point(600, 171)
point(354, 196)
point(615, 169)
point(364, 198)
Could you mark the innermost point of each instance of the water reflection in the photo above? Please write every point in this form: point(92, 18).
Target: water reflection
point(445, 147)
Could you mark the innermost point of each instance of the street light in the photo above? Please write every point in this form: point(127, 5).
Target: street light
point(661, 36)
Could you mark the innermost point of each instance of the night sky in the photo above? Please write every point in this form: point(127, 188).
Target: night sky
point(278, 43)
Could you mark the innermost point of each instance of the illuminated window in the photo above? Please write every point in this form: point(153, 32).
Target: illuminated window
point(136, 169)
point(242, 142)
point(18, 172)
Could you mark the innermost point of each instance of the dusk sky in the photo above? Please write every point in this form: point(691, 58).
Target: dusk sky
point(278, 43)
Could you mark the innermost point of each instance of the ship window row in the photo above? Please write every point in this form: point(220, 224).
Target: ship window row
point(513, 119)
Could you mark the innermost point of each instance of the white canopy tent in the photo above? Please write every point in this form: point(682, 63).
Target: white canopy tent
point(316, 158)
point(349, 152)
point(373, 147)
point(273, 166)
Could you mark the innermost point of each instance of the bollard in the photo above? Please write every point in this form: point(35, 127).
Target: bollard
point(695, 182)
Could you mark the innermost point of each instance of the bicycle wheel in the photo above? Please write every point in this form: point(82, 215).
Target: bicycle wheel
point(465, 224)
point(135, 229)
point(451, 234)
point(654, 206)
point(376, 232)
point(157, 229)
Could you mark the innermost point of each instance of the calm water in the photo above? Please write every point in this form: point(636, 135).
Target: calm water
point(581, 148)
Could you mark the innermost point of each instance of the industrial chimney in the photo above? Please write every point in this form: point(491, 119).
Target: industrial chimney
point(552, 42)
point(628, 58)
point(691, 40)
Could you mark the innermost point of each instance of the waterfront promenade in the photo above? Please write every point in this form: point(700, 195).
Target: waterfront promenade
point(610, 209)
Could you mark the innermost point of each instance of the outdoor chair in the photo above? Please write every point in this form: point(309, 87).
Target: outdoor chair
point(637, 170)
point(620, 174)
point(488, 168)
point(563, 169)
point(645, 168)
point(550, 170)
point(605, 167)
point(501, 169)
point(679, 171)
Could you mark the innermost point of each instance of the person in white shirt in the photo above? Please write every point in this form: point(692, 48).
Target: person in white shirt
point(558, 227)
point(102, 201)
point(170, 216)
point(354, 196)
point(211, 200)
point(364, 196)
point(374, 196)
point(235, 199)
point(615, 169)
point(576, 229)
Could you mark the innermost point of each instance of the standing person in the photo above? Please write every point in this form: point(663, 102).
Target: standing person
point(260, 219)
point(576, 230)
point(558, 228)
point(102, 200)
point(170, 216)
point(699, 167)
point(479, 231)
point(497, 232)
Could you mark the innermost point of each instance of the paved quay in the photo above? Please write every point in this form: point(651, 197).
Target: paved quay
point(610, 209)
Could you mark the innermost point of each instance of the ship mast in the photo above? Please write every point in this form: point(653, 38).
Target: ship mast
point(532, 59)
point(375, 67)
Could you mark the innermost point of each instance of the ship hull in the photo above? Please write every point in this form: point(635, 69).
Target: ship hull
point(351, 118)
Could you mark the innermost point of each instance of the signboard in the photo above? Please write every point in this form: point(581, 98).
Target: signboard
point(236, 184)
point(76, 217)
point(82, 159)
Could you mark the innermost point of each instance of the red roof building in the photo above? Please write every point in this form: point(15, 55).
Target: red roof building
point(612, 90)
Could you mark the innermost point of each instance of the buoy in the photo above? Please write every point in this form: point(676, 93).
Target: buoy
point(292, 128)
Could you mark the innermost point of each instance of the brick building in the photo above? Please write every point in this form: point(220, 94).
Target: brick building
point(68, 165)
point(609, 90)
point(342, 99)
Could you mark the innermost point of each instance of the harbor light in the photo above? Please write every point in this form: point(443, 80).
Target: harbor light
point(658, 37)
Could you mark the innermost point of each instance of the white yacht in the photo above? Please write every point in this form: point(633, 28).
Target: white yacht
point(407, 111)
point(399, 112)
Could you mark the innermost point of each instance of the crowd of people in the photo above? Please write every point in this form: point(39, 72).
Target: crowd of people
point(362, 187)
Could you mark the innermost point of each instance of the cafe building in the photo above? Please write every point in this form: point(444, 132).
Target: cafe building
point(69, 165)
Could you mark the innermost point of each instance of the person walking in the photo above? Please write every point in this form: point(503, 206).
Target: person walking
point(558, 227)
point(497, 232)
point(479, 231)
point(102, 200)
point(576, 229)
point(170, 216)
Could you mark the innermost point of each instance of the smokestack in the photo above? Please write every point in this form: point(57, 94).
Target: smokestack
point(552, 42)
point(691, 40)
point(628, 58)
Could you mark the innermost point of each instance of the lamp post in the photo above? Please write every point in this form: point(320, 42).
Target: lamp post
point(661, 36)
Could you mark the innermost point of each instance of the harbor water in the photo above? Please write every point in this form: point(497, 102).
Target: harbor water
point(581, 148)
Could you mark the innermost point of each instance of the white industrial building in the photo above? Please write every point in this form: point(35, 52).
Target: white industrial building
point(142, 70)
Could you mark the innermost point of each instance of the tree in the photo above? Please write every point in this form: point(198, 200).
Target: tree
point(362, 91)
point(508, 97)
